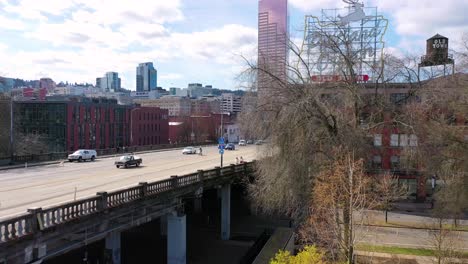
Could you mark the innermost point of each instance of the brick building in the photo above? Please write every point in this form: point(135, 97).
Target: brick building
point(203, 128)
point(177, 106)
point(66, 125)
point(150, 126)
point(5, 122)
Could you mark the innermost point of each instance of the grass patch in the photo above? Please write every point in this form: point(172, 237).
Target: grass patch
point(403, 251)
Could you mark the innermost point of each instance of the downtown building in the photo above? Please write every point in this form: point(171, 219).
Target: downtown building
point(273, 36)
point(231, 103)
point(149, 126)
point(65, 124)
point(47, 83)
point(177, 106)
point(146, 77)
point(109, 83)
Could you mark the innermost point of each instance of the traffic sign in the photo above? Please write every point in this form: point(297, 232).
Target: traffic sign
point(221, 141)
point(221, 151)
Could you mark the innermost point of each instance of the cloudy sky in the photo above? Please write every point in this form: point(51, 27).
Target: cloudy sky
point(201, 41)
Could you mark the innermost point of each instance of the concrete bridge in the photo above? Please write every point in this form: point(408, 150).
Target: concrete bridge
point(43, 233)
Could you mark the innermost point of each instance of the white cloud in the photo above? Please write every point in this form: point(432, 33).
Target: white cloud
point(171, 76)
point(316, 5)
point(97, 36)
point(201, 54)
point(426, 17)
point(33, 9)
point(107, 12)
point(11, 24)
point(141, 11)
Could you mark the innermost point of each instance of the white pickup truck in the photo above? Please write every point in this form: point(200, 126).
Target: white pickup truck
point(82, 155)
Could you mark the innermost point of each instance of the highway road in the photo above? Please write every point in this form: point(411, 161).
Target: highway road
point(49, 185)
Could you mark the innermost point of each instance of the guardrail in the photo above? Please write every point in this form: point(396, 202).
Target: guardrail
point(38, 219)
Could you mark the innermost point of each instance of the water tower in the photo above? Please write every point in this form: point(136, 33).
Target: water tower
point(437, 53)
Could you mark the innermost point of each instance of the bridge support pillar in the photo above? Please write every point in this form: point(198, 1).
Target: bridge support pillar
point(197, 205)
point(226, 212)
point(113, 246)
point(176, 239)
point(163, 225)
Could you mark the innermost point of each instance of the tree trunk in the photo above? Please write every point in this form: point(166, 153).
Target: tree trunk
point(386, 216)
point(346, 229)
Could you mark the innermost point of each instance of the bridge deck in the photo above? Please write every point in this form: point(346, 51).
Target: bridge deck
point(49, 185)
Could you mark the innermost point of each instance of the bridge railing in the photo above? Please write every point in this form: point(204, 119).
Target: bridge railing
point(16, 227)
point(38, 219)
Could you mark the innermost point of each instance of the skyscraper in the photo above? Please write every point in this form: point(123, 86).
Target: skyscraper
point(113, 81)
point(146, 77)
point(109, 83)
point(272, 42)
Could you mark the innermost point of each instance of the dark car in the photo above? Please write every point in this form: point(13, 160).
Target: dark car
point(230, 146)
point(128, 160)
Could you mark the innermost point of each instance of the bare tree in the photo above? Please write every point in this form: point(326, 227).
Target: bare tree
point(307, 121)
point(442, 238)
point(339, 190)
point(389, 191)
point(30, 144)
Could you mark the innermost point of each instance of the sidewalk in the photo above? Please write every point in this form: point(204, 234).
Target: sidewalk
point(375, 257)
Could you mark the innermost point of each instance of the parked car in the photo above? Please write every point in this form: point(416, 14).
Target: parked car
point(259, 142)
point(82, 155)
point(230, 146)
point(189, 150)
point(250, 142)
point(242, 142)
point(128, 160)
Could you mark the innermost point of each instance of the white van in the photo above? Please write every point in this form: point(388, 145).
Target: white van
point(83, 154)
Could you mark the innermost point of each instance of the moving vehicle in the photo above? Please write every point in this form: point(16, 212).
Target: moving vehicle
point(259, 142)
point(128, 160)
point(242, 142)
point(82, 155)
point(189, 150)
point(230, 146)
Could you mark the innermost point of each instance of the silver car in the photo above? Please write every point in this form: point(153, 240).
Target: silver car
point(189, 150)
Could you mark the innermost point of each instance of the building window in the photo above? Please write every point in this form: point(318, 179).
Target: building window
point(413, 140)
point(377, 162)
point(403, 140)
point(394, 140)
point(395, 162)
point(377, 140)
point(398, 98)
point(410, 185)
